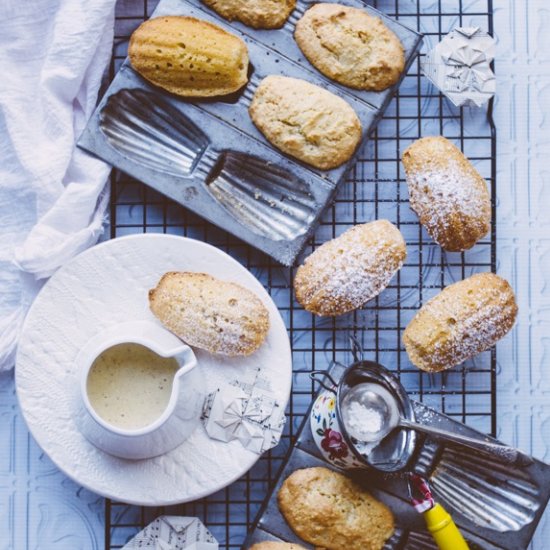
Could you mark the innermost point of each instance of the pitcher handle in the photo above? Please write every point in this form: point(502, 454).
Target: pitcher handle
point(356, 349)
point(313, 375)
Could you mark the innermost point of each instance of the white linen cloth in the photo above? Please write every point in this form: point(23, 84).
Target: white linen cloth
point(52, 198)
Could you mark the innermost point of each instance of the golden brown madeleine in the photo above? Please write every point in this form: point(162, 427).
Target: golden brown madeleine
point(188, 56)
point(306, 121)
point(350, 46)
point(328, 510)
point(463, 320)
point(271, 545)
point(208, 313)
point(345, 273)
point(259, 14)
point(448, 194)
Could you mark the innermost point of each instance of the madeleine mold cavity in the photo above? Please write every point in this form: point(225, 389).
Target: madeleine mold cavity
point(146, 129)
point(492, 495)
point(267, 199)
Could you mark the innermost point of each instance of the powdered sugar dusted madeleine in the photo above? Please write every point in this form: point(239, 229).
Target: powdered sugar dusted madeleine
point(345, 273)
point(448, 194)
point(350, 46)
point(463, 320)
point(260, 14)
point(188, 56)
point(306, 121)
point(330, 511)
point(208, 313)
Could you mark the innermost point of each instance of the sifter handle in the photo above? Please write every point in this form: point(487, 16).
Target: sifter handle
point(502, 453)
point(444, 530)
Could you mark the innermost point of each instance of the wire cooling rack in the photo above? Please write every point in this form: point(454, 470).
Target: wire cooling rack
point(376, 189)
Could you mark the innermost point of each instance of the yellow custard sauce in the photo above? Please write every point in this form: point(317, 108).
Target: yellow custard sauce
point(129, 385)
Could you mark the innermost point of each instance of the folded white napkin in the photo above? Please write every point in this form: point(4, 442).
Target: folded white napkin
point(52, 197)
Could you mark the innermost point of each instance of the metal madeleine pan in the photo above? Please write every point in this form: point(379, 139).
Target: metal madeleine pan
point(207, 154)
point(495, 505)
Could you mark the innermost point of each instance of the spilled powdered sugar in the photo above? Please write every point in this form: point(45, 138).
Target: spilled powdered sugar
point(426, 416)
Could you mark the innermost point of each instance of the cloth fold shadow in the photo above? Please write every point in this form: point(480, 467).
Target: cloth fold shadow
point(53, 196)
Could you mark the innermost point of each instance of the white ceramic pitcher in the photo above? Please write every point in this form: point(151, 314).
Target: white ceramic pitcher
point(182, 414)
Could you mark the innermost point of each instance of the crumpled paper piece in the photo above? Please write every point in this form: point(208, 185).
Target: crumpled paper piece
point(460, 66)
point(174, 533)
point(248, 413)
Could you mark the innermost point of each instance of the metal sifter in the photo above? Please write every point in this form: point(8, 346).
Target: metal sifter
point(345, 448)
point(372, 425)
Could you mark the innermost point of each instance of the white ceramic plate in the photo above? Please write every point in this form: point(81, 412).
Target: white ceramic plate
point(107, 285)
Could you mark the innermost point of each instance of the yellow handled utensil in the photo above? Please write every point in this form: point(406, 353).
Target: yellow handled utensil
point(443, 529)
point(438, 521)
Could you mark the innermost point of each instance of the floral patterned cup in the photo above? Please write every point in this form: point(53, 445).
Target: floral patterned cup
point(327, 434)
point(390, 455)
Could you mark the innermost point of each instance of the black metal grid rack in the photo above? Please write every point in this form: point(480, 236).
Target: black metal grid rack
point(376, 189)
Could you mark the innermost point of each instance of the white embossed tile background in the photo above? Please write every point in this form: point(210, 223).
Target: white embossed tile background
point(40, 509)
point(523, 238)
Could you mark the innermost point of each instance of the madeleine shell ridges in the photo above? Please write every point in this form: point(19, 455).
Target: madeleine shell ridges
point(464, 319)
point(345, 273)
point(447, 193)
point(215, 315)
point(189, 57)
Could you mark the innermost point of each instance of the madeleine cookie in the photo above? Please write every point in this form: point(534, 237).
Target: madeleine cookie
point(350, 46)
point(305, 121)
point(447, 193)
point(330, 511)
point(463, 320)
point(205, 312)
point(345, 273)
point(259, 14)
point(271, 545)
point(188, 56)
